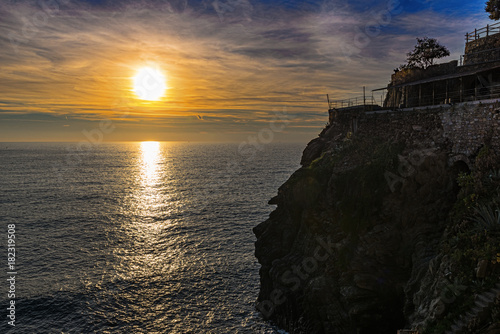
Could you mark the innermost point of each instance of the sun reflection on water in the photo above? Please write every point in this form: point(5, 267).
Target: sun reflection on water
point(150, 161)
point(146, 251)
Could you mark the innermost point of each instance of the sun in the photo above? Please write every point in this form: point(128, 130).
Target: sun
point(149, 84)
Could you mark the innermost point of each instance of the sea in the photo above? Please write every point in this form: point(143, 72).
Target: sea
point(139, 237)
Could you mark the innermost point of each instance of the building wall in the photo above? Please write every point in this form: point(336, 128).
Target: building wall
point(472, 82)
point(414, 96)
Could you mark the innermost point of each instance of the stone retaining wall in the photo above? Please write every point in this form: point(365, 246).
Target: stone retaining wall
point(466, 126)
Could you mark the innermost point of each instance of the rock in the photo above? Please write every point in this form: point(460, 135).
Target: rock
point(273, 200)
point(350, 254)
point(481, 268)
point(437, 308)
point(493, 329)
point(313, 151)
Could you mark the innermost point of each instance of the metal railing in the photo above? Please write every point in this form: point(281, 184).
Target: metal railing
point(353, 102)
point(482, 32)
point(449, 97)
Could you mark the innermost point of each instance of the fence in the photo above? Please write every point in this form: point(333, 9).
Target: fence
point(448, 97)
point(483, 32)
point(353, 102)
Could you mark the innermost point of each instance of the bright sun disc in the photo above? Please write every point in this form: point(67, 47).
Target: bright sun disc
point(149, 84)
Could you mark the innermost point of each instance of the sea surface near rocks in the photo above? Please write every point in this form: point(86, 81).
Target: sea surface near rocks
point(137, 237)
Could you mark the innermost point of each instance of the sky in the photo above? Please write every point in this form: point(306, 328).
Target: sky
point(233, 68)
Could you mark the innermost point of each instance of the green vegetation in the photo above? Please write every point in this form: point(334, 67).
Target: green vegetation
point(462, 304)
point(474, 235)
point(487, 217)
point(493, 8)
point(423, 55)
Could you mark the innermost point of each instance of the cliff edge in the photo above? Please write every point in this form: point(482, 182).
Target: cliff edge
point(392, 222)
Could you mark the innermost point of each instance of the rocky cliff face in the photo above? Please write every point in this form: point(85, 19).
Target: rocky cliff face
point(376, 232)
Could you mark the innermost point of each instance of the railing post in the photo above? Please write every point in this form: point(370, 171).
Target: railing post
point(364, 96)
point(475, 34)
point(487, 29)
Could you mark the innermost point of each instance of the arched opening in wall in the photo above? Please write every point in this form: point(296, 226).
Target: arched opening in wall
point(458, 168)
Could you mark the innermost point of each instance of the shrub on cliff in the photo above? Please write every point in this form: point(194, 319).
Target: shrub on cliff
point(487, 217)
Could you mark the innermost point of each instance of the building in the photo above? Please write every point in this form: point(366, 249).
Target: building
point(475, 77)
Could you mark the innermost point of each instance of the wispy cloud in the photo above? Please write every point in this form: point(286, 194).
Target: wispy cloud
point(227, 62)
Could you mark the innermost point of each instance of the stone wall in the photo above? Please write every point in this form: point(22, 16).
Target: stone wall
point(474, 50)
point(468, 127)
point(414, 74)
point(465, 126)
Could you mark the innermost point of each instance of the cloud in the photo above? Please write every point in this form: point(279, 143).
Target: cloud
point(230, 65)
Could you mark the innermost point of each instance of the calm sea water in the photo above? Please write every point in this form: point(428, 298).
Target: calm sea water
point(137, 237)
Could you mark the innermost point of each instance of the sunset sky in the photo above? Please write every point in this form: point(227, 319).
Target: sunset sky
point(229, 65)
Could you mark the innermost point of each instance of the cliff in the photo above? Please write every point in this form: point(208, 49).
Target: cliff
point(390, 223)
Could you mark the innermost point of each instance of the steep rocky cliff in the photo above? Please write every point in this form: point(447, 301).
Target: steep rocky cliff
point(387, 226)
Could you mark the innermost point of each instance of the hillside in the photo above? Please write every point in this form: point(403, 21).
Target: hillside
point(390, 223)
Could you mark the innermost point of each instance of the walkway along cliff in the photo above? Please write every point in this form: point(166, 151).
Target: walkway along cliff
point(391, 223)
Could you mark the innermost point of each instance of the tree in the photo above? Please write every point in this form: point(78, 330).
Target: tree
point(493, 7)
point(424, 53)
